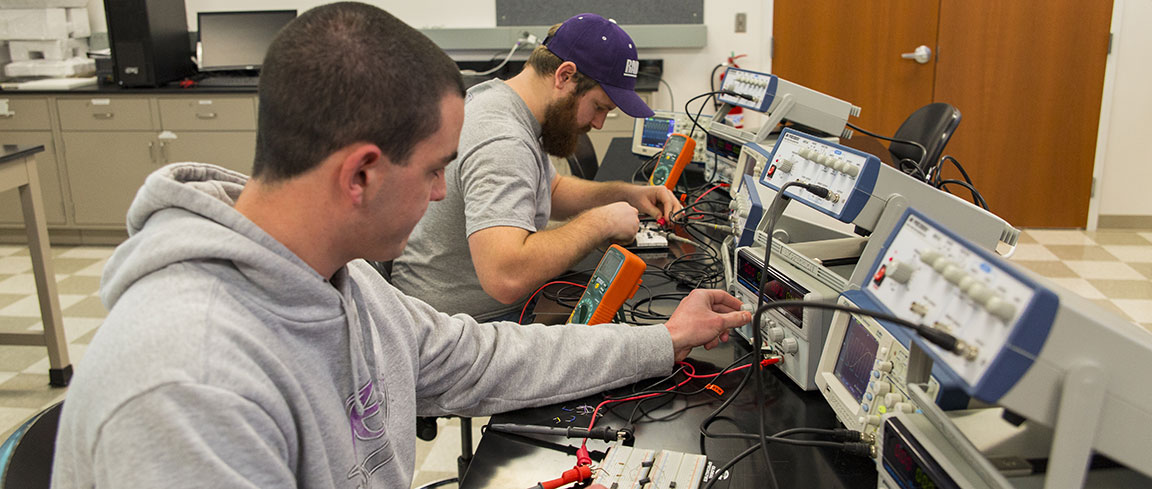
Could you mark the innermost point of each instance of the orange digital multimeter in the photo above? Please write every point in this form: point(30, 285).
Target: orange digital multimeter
point(677, 153)
point(616, 279)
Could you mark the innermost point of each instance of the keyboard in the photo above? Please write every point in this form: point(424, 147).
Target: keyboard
point(230, 81)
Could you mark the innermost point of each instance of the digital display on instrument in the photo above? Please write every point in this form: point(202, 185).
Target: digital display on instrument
point(723, 147)
point(908, 463)
point(778, 288)
point(656, 131)
point(856, 359)
point(601, 280)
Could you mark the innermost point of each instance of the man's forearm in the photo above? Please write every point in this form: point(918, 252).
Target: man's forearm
point(571, 196)
point(542, 256)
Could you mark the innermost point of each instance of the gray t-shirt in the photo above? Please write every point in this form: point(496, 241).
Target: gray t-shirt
point(502, 177)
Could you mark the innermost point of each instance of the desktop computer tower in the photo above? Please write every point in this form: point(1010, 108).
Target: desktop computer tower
point(149, 41)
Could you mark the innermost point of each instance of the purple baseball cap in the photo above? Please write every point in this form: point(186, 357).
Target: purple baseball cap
point(605, 53)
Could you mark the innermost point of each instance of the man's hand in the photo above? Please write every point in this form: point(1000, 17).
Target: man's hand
point(618, 220)
point(704, 318)
point(653, 200)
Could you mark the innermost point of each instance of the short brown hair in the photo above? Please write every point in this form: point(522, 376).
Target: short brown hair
point(345, 73)
point(545, 63)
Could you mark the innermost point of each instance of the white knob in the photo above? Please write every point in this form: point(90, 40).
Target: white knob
point(882, 387)
point(980, 293)
point(838, 164)
point(905, 407)
point(805, 153)
point(789, 345)
point(900, 271)
point(884, 366)
point(941, 265)
point(929, 257)
point(1001, 308)
point(852, 170)
point(966, 283)
point(891, 399)
point(775, 334)
point(785, 165)
point(954, 274)
point(872, 420)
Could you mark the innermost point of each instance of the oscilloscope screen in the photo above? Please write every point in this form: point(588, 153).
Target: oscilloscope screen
point(857, 356)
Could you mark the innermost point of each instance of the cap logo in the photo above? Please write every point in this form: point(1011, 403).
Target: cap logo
point(631, 67)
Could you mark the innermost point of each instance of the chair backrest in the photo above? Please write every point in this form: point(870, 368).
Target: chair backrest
point(931, 125)
point(383, 267)
point(26, 456)
point(583, 162)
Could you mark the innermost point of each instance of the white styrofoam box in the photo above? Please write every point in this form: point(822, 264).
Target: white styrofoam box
point(55, 50)
point(43, 67)
point(8, 4)
point(34, 24)
point(78, 25)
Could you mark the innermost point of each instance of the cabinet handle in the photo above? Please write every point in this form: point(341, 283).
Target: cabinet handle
point(205, 115)
point(152, 151)
point(163, 153)
point(102, 115)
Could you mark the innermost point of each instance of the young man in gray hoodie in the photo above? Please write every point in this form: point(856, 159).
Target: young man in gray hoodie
point(246, 346)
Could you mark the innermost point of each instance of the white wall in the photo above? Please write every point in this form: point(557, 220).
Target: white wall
point(1127, 163)
point(686, 70)
point(1125, 167)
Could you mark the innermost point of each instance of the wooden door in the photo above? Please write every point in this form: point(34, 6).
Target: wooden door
point(851, 50)
point(1027, 77)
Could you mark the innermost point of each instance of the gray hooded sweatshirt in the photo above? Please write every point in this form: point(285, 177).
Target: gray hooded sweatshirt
point(226, 361)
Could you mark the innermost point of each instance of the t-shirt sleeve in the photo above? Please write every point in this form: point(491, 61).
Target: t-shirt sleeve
point(499, 185)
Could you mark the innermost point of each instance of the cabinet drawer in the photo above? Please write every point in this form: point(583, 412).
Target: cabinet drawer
point(24, 114)
point(208, 114)
point(105, 114)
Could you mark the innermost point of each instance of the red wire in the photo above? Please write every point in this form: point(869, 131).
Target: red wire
point(694, 202)
point(525, 309)
point(763, 363)
point(689, 371)
point(697, 201)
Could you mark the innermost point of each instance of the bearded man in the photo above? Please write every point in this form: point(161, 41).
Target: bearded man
point(483, 249)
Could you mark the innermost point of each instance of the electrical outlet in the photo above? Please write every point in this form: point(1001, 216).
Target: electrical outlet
point(741, 22)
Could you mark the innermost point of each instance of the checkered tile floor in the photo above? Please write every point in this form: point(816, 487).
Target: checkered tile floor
point(1110, 267)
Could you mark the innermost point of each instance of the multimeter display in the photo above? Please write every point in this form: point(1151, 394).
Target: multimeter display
point(614, 281)
point(678, 151)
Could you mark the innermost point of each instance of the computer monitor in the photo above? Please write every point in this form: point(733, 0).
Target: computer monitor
point(238, 40)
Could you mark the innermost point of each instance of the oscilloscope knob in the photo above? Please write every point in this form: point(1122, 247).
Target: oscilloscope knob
point(789, 345)
point(776, 334)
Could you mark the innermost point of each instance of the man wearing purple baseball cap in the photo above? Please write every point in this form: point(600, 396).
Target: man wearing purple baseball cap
point(484, 249)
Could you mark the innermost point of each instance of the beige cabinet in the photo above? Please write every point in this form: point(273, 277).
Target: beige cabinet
point(26, 121)
point(99, 148)
point(616, 125)
point(104, 172)
point(217, 130)
point(50, 193)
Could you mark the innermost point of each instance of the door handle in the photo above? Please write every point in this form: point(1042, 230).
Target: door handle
point(102, 115)
point(205, 115)
point(922, 54)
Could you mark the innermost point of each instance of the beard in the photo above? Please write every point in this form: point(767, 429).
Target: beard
point(559, 134)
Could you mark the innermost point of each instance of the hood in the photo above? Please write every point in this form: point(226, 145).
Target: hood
point(183, 214)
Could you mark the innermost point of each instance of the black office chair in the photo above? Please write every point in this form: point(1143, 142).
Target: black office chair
point(583, 162)
point(26, 456)
point(931, 125)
